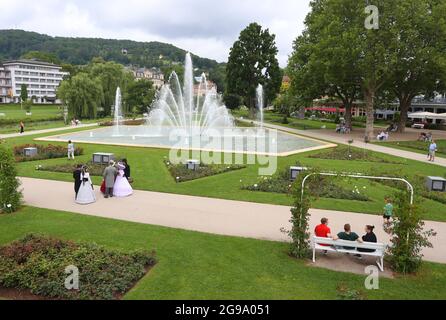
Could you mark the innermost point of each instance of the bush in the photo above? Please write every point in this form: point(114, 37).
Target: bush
point(94, 168)
point(345, 293)
point(44, 152)
point(345, 153)
point(232, 101)
point(38, 263)
point(10, 196)
point(182, 174)
point(408, 236)
point(281, 183)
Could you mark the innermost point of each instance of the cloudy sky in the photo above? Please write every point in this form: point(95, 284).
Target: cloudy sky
point(207, 28)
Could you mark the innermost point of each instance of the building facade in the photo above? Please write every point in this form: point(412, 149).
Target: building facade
point(6, 94)
point(41, 79)
point(153, 74)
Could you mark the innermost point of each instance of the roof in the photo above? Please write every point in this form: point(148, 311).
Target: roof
point(31, 61)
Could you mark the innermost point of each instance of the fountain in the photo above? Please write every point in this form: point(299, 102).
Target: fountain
point(117, 114)
point(194, 117)
point(260, 104)
point(183, 109)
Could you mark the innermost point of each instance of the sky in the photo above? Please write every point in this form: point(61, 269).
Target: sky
point(206, 28)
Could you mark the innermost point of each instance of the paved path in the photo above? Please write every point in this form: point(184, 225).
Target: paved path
point(343, 139)
point(215, 216)
point(36, 132)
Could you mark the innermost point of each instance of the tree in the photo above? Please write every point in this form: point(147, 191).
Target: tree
point(10, 196)
point(139, 95)
point(42, 56)
point(252, 61)
point(111, 76)
point(421, 29)
point(83, 96)
point(23, 93)
point(324, 61)
point(285, 103)
point(232, 101)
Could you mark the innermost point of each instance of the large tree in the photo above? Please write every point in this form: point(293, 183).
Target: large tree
point(324, 60)
point(83, 96)
point(111, 76)
point(253, 61)
point(420, 28)
point(139, 96)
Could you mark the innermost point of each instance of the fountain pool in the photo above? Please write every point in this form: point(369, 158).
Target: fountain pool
point(195, 118)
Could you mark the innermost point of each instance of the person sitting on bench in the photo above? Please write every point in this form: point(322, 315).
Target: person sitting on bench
point(348, 235)
point(323, 231)
point(368, 237)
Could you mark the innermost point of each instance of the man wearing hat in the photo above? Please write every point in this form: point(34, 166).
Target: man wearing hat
point(110, 174)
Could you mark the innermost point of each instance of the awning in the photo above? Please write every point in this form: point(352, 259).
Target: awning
point(425, 115)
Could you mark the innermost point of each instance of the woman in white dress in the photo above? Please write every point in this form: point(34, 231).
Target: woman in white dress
point(122, 186)
point(86, 192)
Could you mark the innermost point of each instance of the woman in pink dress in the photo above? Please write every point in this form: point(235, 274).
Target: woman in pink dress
point(122, 186)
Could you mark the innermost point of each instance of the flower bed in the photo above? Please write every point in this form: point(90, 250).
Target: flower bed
point(181, 174)
point(94, 168)
point(326, 187)
point(44, 152)
point(38, 263)
point(344, 153)
point(138, 122)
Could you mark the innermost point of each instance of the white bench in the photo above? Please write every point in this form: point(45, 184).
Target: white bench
point(338, 246)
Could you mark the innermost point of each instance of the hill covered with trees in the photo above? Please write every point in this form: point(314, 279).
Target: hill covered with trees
point(16, 44)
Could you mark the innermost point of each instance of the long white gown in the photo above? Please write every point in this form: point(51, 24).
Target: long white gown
point(122, 186)
point(86, 193)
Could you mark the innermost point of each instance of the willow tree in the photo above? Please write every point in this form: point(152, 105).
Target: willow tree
point(253, 61)
point(82, 95)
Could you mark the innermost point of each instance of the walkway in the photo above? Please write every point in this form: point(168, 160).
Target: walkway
point(343, 139)
point(37, 132)
point(215, 216)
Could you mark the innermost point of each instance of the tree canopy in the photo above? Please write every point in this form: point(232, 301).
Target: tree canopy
point(253, 61)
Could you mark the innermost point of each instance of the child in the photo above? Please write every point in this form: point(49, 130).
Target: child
point(70, 150)
point(388, 214)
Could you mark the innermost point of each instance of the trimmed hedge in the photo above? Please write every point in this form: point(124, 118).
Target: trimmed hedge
point(181, 174)
point(38, 263)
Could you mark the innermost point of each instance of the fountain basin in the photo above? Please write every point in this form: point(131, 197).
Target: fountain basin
point(228, 140)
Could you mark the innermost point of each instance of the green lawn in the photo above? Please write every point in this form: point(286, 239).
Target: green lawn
point(150, 173)
point(417, 146)
point(201, 266)
point(39, 112)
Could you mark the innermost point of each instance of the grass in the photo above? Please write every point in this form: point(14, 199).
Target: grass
point(39, 112)
point(417, 146)
point(195, 265)
point(150, 173)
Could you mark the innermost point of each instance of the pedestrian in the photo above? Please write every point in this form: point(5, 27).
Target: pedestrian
point(432, 151)
point(127, 171)
point(86, 191)
point(70, 150)
point(388, 213)
point(109, 175)
point(22, 127)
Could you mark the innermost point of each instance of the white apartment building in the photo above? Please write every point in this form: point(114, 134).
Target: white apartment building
point(41, 79)
point(5, 85)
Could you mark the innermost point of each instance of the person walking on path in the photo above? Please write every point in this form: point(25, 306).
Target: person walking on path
point(70, 150)
point(388, 214)
point(77, 179)
point(22, 127)
point(109, 175)
point(432, 151)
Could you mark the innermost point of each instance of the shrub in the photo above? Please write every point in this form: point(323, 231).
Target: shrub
point(94, 168)
point(327, 188)
point(44, 152)
point(37, 263)
point(182, 174)
point(345, 293)
point(346, 153)
point(10, 196)
point(408, 236)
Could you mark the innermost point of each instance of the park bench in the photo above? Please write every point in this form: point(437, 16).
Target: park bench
point(338, 246)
